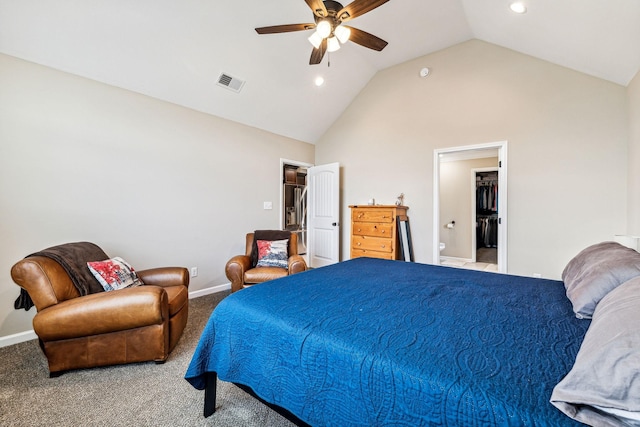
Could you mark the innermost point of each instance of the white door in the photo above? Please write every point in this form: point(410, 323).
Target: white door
point(323, 202)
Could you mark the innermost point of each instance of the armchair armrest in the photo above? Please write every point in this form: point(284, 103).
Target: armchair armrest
point(297, 264)
point(235, 269)
point(103, 312)
point(165, 276)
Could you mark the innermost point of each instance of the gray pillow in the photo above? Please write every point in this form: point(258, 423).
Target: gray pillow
point(603, 387)
point(595, 271)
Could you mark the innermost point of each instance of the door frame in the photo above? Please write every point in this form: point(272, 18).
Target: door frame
point(501, 146)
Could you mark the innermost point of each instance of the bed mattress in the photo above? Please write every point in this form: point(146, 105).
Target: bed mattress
point(374, 342)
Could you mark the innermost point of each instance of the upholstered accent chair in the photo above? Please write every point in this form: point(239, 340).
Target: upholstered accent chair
point(77, 329)
point(244, 270)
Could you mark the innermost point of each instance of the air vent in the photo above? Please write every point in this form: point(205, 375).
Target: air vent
point(231, 83)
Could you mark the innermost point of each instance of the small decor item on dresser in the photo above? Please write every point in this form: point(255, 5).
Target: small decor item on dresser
point(400, 200)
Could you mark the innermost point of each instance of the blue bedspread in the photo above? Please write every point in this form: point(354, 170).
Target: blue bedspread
point(370, 342)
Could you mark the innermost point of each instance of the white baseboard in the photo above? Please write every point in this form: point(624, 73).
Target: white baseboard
point(17, 338)
point(453, 258)
point(30, 335)
point(211, 290)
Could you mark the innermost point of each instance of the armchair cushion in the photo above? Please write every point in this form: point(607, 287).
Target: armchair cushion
point(273, 253)
point(102, 313)
point(263, 274)
point(114, 274)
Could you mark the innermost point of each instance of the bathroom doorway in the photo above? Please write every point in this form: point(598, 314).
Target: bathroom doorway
point(457, 226)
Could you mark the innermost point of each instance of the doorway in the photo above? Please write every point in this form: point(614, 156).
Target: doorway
point(310, 207)
point(484, 214)
point(459, 227)
point(294, 208)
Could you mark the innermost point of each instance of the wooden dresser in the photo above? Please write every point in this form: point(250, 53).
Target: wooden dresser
point(374, 231)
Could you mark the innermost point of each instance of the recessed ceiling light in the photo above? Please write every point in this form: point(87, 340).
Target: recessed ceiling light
point(518, 7)
point(319, 81)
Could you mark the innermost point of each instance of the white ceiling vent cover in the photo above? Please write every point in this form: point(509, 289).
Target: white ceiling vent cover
point(231, 83)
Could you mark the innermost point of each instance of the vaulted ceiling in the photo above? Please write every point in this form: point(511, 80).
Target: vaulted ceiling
point(175, 50)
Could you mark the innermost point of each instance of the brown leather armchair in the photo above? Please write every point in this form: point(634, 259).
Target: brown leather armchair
point(242, 272)
point(135, 324)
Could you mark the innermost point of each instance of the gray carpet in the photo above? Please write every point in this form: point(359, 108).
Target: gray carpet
point(142, 394)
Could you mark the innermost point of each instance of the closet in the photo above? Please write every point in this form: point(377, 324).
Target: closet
point(487, 213)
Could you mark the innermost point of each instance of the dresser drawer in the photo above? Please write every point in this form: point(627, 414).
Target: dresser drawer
point(369, 215)
point(378, 244)
point(372, 229)
point(356, 253)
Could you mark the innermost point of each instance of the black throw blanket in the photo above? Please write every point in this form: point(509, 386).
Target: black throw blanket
point(73, 257)
point(267, 235)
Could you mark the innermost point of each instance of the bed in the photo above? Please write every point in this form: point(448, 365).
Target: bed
point(374, 342)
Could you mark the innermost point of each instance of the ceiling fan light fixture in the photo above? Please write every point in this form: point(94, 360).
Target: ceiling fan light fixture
point(315, 39)
point(332, 44)
point(342, 33)
point(324, 29)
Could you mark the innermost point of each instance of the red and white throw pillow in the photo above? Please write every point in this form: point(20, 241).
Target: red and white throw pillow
point(114, 274)
point(273, 253)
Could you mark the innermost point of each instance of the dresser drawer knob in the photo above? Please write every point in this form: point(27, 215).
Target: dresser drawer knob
point(383, 231)
point(359, 243)
point(382, 246)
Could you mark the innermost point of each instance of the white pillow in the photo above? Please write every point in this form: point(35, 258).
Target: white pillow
point(273, 253)
point(114, 274)
point(603, 387)
point(595, 271)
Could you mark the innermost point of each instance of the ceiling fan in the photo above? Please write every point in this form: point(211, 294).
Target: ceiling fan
point(329, 17)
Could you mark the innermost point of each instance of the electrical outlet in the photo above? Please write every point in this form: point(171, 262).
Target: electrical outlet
point(194, 271)
point(268, 205)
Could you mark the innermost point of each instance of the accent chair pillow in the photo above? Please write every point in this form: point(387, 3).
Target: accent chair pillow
point(595, 272)
point(603, 387)
point(273, 253)
point(114, 274)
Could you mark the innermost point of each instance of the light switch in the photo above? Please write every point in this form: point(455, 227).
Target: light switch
point(268, 205)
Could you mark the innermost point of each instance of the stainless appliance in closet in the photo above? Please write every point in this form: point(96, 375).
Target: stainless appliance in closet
point(295, 204)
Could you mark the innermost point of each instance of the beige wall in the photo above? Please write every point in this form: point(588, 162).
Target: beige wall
point(455, 204)
point(567, 135)
point(634, 157)
point(147, 180)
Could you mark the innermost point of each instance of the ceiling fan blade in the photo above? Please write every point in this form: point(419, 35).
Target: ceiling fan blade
point(318, 54)
point(357, 8)
point(317, 6)
point(285, 28)
point(367, 40)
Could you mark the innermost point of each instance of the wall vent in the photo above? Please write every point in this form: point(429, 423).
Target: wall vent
point(230, 82)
